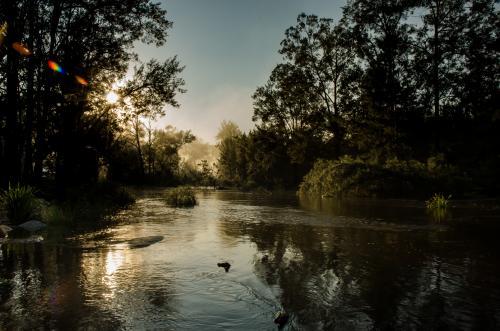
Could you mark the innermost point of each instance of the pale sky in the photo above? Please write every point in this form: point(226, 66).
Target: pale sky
point(229, 48)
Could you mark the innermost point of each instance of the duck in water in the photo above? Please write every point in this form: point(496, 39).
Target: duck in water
point(224, 265)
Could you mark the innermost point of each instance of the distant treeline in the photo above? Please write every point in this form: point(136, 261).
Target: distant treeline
point(67, 113)
point(399, 88)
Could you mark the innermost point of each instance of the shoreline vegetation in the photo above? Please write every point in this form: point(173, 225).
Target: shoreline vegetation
point(84, 208)
point(181, 196)
point(380, 103)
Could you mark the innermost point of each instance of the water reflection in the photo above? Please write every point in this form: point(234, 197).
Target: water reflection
point(365, 277)
point(344, 265)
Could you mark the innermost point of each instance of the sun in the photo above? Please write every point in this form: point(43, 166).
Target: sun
point(112, 97)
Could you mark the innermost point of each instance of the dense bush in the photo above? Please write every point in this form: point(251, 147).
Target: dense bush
point(180, 197)
point(394, 178)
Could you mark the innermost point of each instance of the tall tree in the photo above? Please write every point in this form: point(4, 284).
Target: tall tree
point(439, 63)
point(323, 63)
point(383, 43)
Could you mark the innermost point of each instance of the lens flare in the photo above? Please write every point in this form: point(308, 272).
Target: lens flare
point(81, 80)
point(54, 66)
point(21, 49)
point(3, 32)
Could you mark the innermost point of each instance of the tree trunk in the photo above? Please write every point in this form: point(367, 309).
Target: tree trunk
point(30, 100)
point(12, 154)
point(435, 76)
point(138, 145)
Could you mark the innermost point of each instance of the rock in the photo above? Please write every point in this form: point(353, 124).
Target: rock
point(4, 230)
point(143, 241)
point(281, 318)
point(265, 259)
point(19, 232)
point(224, 265)
point(32, 226)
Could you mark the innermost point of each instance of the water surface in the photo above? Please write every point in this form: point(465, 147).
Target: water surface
point(333, 265)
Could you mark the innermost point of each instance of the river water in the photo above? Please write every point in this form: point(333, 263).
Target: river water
point(332, 265)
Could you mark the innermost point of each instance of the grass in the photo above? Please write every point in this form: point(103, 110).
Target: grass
point(438, 201)
point(180, 197)
point(55, 214)
point(436, 206)
point(20, 203)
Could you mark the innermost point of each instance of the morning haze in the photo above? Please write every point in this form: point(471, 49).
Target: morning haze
point(229, 48)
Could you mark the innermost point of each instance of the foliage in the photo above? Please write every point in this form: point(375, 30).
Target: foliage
point(395, 178)
point(87, 205)
point(228, 129)
point(20, 203)
point(54, 214)
point(437, 206)
point(58, 123)
point(411, 98)
point(265, 158)
point(158, 161)
point(438, 201)
point(206, 173)
point(180, 197)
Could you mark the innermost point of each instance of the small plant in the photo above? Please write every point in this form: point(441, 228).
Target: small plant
point(180, 197)
point(20, 203)
point(55, 214)
point(438, 201)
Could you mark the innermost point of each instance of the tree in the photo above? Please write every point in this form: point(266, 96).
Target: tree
point(323, 60)
point(56, 109)
point(227, 129)
point(383, 41)
point(207, 175)
point(228, 136)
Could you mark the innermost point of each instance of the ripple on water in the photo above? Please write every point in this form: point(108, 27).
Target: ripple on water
point(330, 267)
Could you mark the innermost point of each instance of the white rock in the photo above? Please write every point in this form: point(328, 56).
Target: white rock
point(4, 229)
point(33, 226)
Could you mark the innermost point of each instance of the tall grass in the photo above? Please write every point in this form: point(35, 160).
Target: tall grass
point(180, 197)
point(438, 201)
point(20, 203)
point(437, 206)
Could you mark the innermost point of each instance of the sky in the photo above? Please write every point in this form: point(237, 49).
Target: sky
point(228, 48)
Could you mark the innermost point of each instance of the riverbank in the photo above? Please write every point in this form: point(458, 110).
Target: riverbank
point(81, 208)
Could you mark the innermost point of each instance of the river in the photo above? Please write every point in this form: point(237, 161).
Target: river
point(332, 265)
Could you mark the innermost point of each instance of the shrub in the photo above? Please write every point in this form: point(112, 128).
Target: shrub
point(396, 178)
point(87, 205)
point(437, 207)
point(438, 201)
point(180, 197)
point(56, 214)
point(20, 203)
